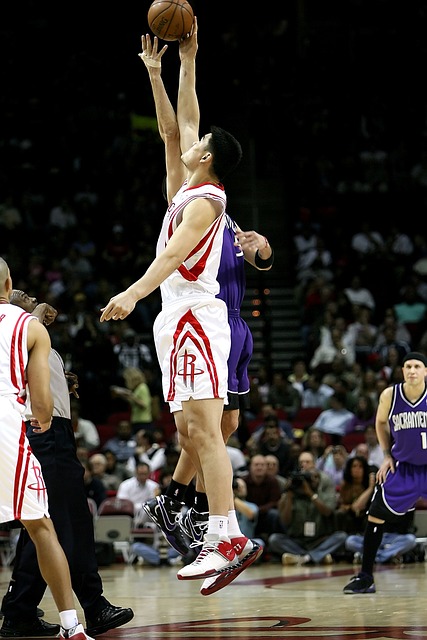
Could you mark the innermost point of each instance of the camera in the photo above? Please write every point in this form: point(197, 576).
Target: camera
point(297, 478)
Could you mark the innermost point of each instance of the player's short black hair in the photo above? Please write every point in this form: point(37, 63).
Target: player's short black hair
point(226, 151)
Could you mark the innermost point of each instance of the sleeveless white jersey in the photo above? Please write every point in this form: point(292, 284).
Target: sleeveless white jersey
point(23, 493)
point(13, 353)
point(191, 333)
point(197, 276)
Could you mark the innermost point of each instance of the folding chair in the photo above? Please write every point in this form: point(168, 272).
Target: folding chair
point(114, 523)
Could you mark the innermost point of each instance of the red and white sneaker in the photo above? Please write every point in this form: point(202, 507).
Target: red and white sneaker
point(247, 552)
point(76, 633)
point(242, 546)
point(215, 556)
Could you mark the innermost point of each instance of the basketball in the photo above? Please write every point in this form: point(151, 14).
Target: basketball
point(170, 19)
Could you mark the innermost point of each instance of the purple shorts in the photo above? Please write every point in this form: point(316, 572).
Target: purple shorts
point(400, 491)
point(238, 361)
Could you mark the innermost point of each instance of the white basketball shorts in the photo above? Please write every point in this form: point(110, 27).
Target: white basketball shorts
point(23, 494)
point(193, 343)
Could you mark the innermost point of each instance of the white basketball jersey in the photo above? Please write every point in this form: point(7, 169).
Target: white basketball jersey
point(197, 275)
point(13, 353)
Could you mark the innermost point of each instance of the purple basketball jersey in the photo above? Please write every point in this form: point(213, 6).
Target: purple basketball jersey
point(231, 273)
point(232, 282)
point(408, 427)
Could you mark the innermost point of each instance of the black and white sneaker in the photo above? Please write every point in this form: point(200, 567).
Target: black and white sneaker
point(195, 526)
point(361, 583)
point(165, 512)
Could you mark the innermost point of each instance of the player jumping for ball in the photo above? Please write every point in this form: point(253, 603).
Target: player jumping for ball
point(191, 333)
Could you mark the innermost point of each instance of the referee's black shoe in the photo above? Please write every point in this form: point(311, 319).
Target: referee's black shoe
point(40, 613)
point(36, 628)
point(109, 617)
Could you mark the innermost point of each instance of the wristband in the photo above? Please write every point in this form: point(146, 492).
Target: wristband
point(260, 262)
point(314, 497)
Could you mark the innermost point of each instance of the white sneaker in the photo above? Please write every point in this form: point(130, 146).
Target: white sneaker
point(76, 633)
point(247, 552)
point(215, 556)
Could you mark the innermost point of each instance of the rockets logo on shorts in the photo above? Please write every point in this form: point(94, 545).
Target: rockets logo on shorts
point(39, 486)
point(192, 358)
point(188, 370)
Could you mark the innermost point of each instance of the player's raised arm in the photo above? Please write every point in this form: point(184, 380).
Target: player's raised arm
point(166, 116)
point(188, 112)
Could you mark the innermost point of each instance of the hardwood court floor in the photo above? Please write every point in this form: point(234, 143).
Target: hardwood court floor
point(265, 602)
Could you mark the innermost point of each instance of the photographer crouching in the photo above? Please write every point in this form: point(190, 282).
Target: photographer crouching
point(306, 512)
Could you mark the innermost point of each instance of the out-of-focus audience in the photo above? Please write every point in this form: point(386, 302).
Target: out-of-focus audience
point(333, 462)
point(122, 444)
point(355, 492)
point(335, 420)
point(138, 395)
point(369, 448)
point(264, 490)
point(139, 489)
point(85, 431)
point(314, 441)
point(361, 288)
point(94, 487)
point(98, 462)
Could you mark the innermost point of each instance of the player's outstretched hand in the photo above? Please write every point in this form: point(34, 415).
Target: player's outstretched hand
point(188, 46)
point(119, 307)
point(150, 55)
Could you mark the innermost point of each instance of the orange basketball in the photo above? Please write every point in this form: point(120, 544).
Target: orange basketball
point(170, 19)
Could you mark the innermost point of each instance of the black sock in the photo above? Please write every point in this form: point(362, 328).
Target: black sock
point(176, 490)
point(201, 502)
point(371, 544)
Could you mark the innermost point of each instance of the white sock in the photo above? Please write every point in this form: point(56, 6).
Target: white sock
point(233, 525)
point(68, 619)
point(217, 527)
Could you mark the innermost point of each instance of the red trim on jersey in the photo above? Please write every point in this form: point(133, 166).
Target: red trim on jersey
point(195, 271)
point(219, 185)
point(17, 357)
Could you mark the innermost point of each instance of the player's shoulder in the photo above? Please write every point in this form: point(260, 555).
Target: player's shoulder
point(37, 333)
point(386, 396)
point(35, 326)
point(389, 391)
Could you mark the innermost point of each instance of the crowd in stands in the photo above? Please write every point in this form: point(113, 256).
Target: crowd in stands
point(80, 205)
